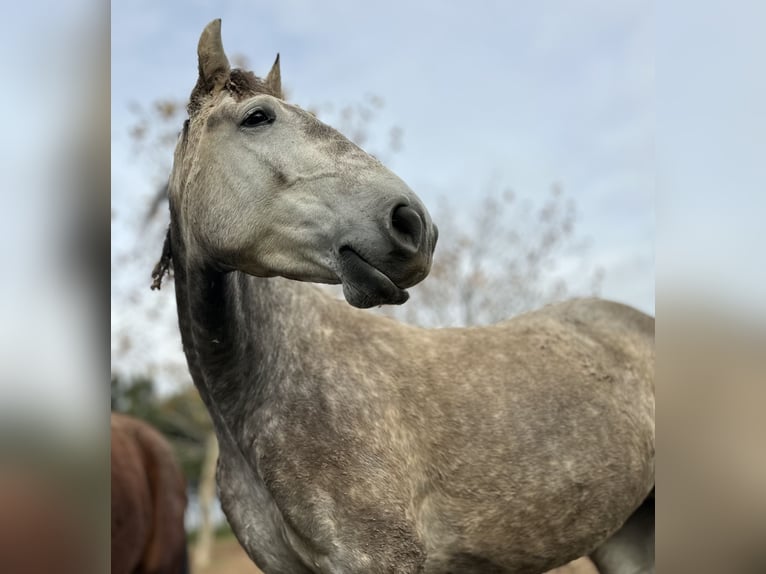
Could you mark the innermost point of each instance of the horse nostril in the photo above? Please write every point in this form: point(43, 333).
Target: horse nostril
point(408, 226)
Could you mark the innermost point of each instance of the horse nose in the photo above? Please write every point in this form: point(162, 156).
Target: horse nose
point(406, 228)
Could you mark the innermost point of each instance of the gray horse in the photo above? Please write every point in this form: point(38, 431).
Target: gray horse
point(351, 443)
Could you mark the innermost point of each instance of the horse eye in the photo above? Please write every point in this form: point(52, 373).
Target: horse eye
point(256, 118)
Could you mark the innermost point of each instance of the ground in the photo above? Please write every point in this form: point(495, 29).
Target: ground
point(229, 558)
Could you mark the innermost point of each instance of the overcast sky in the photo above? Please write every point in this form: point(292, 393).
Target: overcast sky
point(524, 94)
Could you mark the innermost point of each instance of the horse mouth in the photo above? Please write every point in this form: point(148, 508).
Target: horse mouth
point(364, 285)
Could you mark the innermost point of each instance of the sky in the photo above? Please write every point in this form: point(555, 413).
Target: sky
point(523, 94)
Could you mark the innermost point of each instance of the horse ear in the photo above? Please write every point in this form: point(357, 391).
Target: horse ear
point(274, 79)
point(213, 63)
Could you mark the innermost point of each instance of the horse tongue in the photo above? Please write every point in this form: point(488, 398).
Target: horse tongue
point(365, 286)
point(364, 299)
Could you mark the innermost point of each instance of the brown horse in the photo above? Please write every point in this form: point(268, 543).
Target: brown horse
point(148, 501)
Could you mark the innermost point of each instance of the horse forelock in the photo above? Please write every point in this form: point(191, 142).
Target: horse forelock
point(240, 85)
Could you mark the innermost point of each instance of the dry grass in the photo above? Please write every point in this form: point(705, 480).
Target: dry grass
point(580, 566)
point(228, 558)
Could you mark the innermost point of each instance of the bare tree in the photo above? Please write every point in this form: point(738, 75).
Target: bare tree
point(203, 549)
point(505, 257)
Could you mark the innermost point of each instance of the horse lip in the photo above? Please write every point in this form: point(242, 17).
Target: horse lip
point(364, 285)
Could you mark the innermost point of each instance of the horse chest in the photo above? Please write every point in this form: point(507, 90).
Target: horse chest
point(253, 515)
point(295, 514)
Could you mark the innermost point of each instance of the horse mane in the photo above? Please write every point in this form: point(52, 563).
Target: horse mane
point(240, 84)
point(164, 265)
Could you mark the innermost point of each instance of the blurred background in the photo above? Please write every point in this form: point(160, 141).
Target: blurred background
point(526, 129)
point(561, 128)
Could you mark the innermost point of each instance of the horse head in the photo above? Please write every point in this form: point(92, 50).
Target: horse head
point(263, 187)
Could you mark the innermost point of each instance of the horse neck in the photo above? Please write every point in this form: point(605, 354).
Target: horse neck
point(235, 331)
